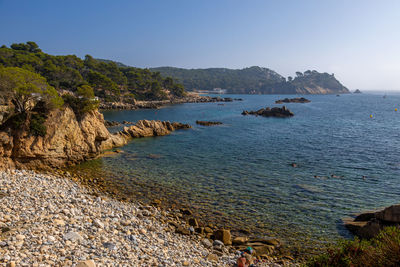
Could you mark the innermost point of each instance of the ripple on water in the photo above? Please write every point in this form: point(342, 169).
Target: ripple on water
point(242, 170)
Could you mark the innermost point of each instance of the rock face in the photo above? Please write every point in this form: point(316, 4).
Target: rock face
point(282, 112)
point(69, 141)
point(293, 100)
point(367, 225)
point(208, 123)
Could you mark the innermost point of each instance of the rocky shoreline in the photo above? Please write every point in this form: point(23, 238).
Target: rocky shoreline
point(191, 98)
point(49, 219)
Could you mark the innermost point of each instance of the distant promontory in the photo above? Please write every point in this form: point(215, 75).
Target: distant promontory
point(254, 80)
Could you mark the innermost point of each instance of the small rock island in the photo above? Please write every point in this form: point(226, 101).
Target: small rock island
point(357, 91)
point(208, 123)
point(282, 112)
point(293, 100)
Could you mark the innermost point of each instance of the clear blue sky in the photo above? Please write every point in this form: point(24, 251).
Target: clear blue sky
point(358, 40)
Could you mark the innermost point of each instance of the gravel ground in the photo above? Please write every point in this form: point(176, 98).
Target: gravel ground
point(46, 220)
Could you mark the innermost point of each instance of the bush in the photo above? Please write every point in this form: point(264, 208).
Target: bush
point(36, 126)
point(80, 105)
point(382, 250)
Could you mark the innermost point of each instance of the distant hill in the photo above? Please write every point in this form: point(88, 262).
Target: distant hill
point(254, 80)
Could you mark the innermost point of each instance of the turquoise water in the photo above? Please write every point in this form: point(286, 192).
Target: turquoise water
point(241, 170)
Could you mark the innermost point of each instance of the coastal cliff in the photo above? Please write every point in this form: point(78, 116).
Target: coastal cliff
point(69, 141)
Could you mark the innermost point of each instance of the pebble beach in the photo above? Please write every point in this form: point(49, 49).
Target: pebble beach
point(49, 220)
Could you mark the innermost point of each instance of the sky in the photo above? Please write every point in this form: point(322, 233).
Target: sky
point(357, 40)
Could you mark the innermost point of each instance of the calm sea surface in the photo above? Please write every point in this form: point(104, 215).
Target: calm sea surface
point(242, 169)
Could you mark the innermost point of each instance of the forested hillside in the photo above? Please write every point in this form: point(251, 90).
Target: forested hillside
point(110, 82)
point(255, 80)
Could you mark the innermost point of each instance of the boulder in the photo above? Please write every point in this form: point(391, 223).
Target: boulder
point(390, 214)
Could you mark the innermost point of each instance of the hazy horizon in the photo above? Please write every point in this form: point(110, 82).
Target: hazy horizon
point(358, 41)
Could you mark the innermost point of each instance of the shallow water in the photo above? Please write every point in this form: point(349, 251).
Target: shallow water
point(242, 169)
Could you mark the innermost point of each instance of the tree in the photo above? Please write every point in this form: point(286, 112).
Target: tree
point(29, 46)
point(299, 74)
point(25, 88)
point(290, 78)
point(85, 91)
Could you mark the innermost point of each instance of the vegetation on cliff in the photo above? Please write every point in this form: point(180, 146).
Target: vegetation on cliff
point(255, 80)
point(111, 82)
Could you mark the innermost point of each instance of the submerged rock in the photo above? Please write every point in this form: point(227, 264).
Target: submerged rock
point(282, 112)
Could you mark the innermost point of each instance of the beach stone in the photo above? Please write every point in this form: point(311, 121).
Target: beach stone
point(212, 257)
point(223, 235)
point(59, 222)
point(20, 237)
point(206, 242)
point(208, 230)
point(12, 264)
point(109, 245)
point(240, 240)
point(218, 243)
point(73, 236)
point(185, 263)
point(88, 263)
point(193, 222)
point(98, 223)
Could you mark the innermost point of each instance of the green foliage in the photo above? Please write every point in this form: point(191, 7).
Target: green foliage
point(85, 91)
point(25, 88)
point(29, 46)
point(36, 125)
point(383, 250)
point(111, 81)
point(83, 103)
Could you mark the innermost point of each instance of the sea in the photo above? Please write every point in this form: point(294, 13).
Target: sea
point(240, 174)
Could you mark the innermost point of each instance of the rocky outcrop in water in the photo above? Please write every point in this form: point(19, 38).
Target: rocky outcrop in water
point(293, 100)
point(146, 128)
point(69, 141)
point(282, 112)
point(368, 224)
point(208, 123)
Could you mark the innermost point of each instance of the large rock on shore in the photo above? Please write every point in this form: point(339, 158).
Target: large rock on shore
point(69, 141)
point(368, 224)
point(282, 112)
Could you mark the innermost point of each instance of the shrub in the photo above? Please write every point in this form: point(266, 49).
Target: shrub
point(36, 126)
point(382, 250)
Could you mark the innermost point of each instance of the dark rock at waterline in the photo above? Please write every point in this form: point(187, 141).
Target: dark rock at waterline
point(111, 123)
point(293, 100)
point(282, 112)
point(368, 225)
point(357, 91)
point(208, 123)
point(128, 122)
